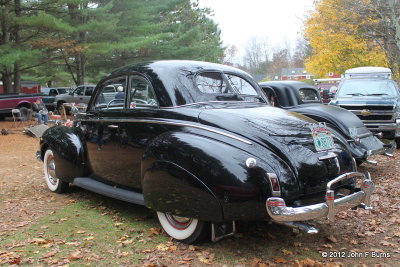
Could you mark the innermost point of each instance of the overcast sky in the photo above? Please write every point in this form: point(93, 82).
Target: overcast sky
point(278, 20)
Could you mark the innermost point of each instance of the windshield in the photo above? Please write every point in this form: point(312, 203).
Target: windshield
point(351, 88)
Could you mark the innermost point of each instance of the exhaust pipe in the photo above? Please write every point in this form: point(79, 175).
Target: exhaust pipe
point(308, 229)
point(372, 162)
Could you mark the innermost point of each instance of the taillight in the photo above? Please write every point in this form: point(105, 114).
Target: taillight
point(274, 182)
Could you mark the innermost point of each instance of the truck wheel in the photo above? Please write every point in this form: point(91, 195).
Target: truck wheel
point(186, 230)
point(398, 143)
point(49, 166)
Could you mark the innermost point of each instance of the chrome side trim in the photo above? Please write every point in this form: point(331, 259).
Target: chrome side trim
point(279, 212)
point(174, 124)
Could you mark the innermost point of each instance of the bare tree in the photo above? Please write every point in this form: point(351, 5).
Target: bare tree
point(301, 52)
point(230, 54)
point(257, 55)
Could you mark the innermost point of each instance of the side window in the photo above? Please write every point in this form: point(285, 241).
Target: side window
point(53, 92)
point(212, 83)
point(141, 93)
point(111, 94)
point(89, 91)
point(79, 91)
point(240, 85)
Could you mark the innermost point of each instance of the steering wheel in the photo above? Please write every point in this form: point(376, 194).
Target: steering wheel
point(114, 100)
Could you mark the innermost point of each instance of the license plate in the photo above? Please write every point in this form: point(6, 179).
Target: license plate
point(323, 139)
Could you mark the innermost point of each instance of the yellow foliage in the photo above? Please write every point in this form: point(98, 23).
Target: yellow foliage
point(336, 46)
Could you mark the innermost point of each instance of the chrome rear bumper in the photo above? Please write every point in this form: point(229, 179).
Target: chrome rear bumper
point(279, 212)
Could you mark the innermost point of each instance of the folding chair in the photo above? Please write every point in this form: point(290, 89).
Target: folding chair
point(18, 118)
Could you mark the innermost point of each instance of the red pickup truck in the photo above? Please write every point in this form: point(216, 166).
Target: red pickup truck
point(19, 101)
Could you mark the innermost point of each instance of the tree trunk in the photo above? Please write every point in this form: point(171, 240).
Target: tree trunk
point(7, 82)
point(17, 73)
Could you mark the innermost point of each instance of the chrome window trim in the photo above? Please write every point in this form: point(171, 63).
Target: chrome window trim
point(173, 124)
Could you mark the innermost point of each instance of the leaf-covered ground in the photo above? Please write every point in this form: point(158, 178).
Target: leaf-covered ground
point(81, 228)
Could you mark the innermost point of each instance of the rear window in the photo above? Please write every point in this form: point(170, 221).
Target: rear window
point(307, 94)
point(212, 83)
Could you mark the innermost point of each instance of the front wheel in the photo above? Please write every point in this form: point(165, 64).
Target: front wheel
point(53, 183)
point(186, 230)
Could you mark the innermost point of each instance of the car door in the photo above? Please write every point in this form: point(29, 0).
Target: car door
point(77, 95)
point(103, 133)
point(136, 131)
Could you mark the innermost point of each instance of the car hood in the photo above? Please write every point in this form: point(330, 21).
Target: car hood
point(339, 117)
point(365, 100)
point(285, 133)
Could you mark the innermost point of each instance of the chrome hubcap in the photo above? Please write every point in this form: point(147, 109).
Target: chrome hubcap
point(51, 170)
point(180, 223)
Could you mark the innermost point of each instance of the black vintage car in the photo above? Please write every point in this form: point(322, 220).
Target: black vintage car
point(303, 98)
point(198, 143)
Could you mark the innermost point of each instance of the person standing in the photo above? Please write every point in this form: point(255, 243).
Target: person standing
point(41, 111)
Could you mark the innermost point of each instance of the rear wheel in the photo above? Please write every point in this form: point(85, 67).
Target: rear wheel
point(186, 230)
point(53, 183)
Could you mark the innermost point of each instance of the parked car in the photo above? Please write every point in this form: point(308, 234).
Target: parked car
point(80, 94)
point(371, 94)
point(23, 102)
point(304, 99)
point(198, 143)
point(50, 95)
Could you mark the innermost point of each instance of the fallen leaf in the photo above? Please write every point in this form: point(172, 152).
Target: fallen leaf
point(76, 255)
point(206, 261)
point(280, 260)
point(51, 254)
point(287, 252)
point(155, 231)
point(163, 247)
point(332, 239)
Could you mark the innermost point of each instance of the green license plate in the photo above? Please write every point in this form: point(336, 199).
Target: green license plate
point(323, 139)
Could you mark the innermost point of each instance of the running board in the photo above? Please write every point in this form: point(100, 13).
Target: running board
point(108, 190)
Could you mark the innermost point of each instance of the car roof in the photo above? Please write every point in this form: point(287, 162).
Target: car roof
point(170, 76)
point(288, 91)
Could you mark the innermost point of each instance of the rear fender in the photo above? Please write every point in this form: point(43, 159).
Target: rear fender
point(196, 176)
point(70, 151)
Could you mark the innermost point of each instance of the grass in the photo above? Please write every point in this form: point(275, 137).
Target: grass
point(87, 233)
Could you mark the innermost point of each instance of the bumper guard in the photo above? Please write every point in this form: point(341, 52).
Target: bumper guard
point(279, 212)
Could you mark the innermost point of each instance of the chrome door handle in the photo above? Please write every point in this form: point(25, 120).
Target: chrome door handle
point(112, 126)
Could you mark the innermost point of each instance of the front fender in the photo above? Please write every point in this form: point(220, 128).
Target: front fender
point(69, 146)
point(196, 176)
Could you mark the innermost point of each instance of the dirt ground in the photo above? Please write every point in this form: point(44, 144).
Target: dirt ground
point(24, 199)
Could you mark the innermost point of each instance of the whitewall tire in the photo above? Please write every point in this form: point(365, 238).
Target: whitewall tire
point(187, 230)
point(49, 167)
